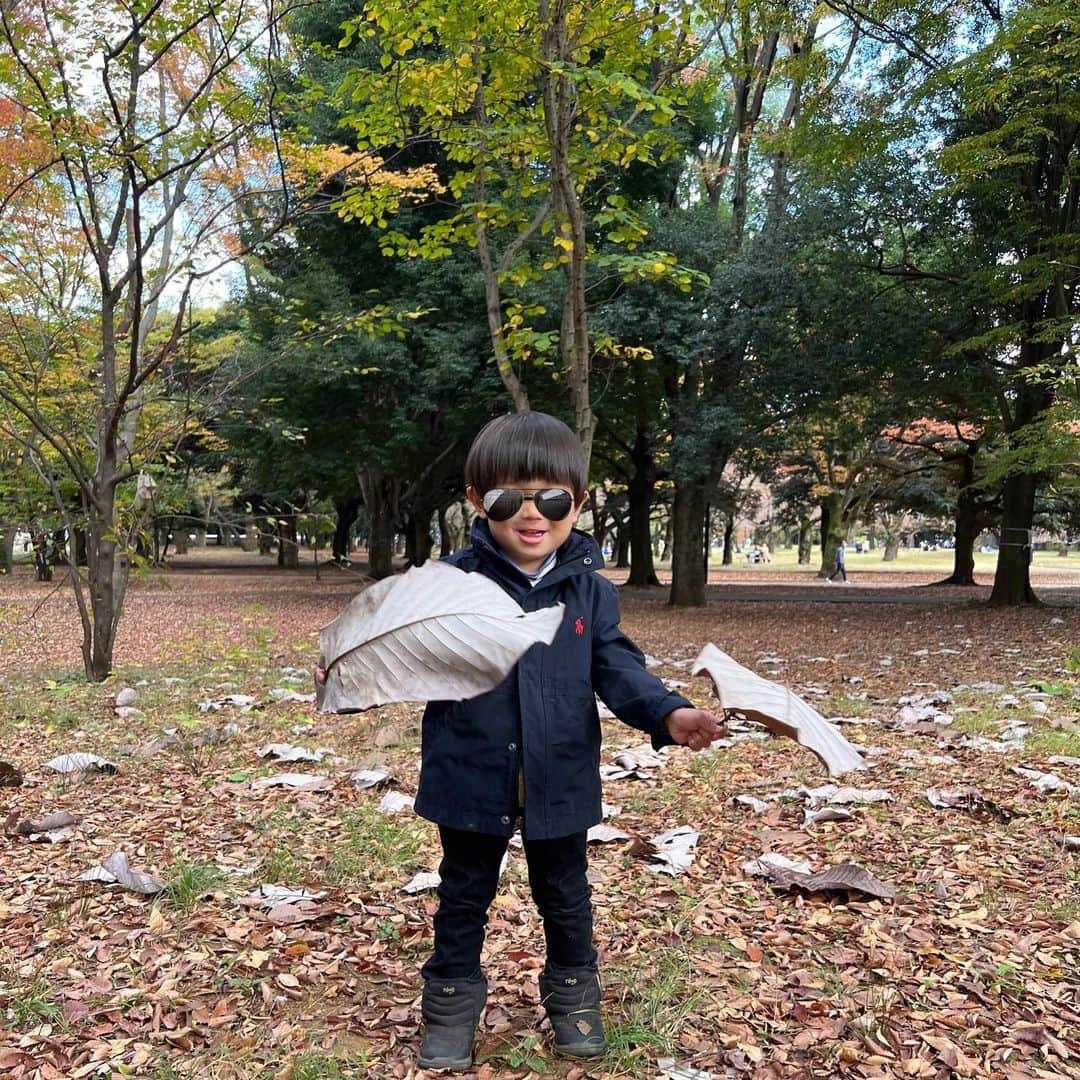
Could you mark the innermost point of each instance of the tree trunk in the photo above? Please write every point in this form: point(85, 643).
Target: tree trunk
point(288, 556)
point(106, 573)
point(622, 546)
point(597, 507)
point(892, 549)
point(729, 536)
point(832, 531)
point(380, 543)
point(1012, 579)
point(266, 536)
point(445, 547)
point(7, 546)
point(180, 537)
point(347, 511)
point(966, 527)
point(689, 516)
point(418, 539)
point(559, 98)
point(382, 539)
point(251, 534)
point(806, 544)
point(639, 524)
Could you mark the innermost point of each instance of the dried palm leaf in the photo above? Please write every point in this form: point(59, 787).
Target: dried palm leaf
point(741, 691)
point(433, 633)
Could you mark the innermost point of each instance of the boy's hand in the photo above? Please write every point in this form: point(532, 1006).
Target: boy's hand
point(320, 675)
point(696, 728)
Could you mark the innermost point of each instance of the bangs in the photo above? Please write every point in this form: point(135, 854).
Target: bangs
point(525, 446)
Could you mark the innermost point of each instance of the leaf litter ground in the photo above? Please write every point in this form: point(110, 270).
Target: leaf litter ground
point(971, 971)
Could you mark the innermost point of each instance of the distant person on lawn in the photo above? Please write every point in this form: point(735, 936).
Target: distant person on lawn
point(529, 750)
point(839, 568)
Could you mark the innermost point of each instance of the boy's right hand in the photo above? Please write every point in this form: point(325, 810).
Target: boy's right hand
point(696, 728)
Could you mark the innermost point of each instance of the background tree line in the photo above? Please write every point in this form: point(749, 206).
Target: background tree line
point(828, 247)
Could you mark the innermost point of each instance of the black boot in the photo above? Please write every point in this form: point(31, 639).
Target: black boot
point(572, 1000)
point(451, 1009)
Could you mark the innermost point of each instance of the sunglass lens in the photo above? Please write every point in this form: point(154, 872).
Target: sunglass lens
point(502, 505)
point(554, 504)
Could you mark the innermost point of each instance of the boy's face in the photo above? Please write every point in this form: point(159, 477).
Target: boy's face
point(528, 537)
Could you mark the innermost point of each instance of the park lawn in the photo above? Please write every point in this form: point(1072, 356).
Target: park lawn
point(970, 970)
point(785, 560)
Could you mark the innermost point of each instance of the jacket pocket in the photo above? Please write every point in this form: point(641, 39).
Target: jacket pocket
point(573, 728)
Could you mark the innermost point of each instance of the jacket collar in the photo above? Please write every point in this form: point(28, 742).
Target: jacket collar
point(579, 554)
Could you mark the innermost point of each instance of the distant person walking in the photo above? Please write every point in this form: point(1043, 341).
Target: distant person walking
point(839, 568)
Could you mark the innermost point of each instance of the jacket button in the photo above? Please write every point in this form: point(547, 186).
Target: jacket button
point(511, 746)
point(505, 819)
point(587, 561)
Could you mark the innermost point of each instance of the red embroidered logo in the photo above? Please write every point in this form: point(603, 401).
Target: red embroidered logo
point(579, 626)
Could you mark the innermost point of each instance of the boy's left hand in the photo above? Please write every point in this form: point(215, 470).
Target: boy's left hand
point(696, 728)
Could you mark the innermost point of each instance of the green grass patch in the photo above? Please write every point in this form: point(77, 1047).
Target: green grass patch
point(651, 1015)
point(845, 704)
point(1050, 741)
point(524, 1054)
point(26, 1001)
point(281, 867)
point(190, 882)
point(312, 1065)
point(979, 719)
point(375, 848)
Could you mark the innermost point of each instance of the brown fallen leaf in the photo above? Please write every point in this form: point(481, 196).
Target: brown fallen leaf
point(967, 798)
point(845, 877)
point(300, 912)
point(60, 820)
point(9, 775)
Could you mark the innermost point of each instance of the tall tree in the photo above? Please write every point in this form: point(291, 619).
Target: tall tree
point(533, 102)
point(154, 137)
point(1015, 155)
point(776, 65)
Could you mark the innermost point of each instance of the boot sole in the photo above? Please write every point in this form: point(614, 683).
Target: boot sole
point(581, 1051)
point(457, 1064)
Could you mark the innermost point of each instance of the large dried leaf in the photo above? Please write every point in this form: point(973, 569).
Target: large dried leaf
point(422, 882)
point(434, 632)
point(393, 802)
point(605, 834)
point(52, 823)
point(269, 896)
point(673, 850)
point(77, 761)
point(782, 712)
point(967, 798)
point(9, 775)
point(288, 752)
point(300, 781)
point(115, 870)
point(846, 877)
point(1045, 781)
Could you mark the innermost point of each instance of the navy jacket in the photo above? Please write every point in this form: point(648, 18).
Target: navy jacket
point(541, 720)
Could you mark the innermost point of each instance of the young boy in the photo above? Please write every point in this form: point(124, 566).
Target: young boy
point(530, 748)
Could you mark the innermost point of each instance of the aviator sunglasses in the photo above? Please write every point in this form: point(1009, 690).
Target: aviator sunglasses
point(501, 504)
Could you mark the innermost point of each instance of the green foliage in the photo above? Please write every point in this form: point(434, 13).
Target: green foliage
point(190, 882)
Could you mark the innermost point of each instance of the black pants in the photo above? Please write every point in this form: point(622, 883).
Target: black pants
point(470, 877)
point(839, 570)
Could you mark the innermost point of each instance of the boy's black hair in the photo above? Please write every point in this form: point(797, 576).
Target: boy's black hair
point(525, 446)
